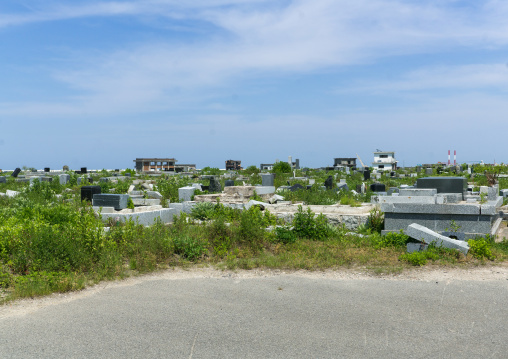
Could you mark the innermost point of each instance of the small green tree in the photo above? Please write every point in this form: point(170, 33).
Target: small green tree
point(251, 170)
point(282, 167)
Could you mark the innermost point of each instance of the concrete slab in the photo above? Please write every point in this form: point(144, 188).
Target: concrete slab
point(425, 235)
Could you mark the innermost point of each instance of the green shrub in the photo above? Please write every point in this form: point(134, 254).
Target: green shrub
point(307, 225)
point(203, 210)
point(189, 248)
point(168, 187)
point(285, 235)
point(376, 220)
point(392, 239)
point(282, 167)
point(480, 249)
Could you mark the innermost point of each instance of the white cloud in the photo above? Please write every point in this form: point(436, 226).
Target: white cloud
point(270, 39)
point(472, 77)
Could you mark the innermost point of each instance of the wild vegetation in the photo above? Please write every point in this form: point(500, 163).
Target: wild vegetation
point(50, 241)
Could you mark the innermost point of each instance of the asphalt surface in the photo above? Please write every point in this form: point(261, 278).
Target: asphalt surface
point(284, 316)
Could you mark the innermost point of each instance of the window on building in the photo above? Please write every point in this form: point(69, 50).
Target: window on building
point(383, 156)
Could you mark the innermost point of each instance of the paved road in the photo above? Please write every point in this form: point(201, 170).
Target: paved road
point(282, 316)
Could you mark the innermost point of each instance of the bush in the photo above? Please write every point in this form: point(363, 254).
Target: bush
point(392, 239)
point(285, 235)
point(282, 167)
point(376, 220)
point(188, 247)
point(307, 225)
point(480, 249)
point(203, 210)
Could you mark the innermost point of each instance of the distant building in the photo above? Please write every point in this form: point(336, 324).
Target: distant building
point(344, 162)
point(384, 161)
point(266, 166)
point(232, 165)
point(269, 166)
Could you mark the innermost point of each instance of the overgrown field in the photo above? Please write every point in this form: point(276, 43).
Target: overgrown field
point(51, 243)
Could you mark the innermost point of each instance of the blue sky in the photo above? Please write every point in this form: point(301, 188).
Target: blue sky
point(99, 83)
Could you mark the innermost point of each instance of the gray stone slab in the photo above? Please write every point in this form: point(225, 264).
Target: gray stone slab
point(153, 195)
point(407, 199)
point(426, 235)
point(416, 247)
point(146, 201)
point(187, 206)
point(439, 223)
point(267, 179)
point(460, 209)
point(186, 193)
point(104, 209)
point(197, 186)
point(118, 201)
point(3, 179)
point(417, 192)
point(443, 184)
point(444, 198)
point(265, 190)
point(503, 192)
point(64, 179)
point(165, 215)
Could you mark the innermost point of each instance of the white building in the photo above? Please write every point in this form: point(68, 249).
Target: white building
point(384, 161)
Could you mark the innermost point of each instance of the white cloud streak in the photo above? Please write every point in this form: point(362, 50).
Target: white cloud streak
point(270, 39)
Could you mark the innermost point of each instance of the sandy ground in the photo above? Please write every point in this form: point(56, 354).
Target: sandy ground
point(428, 274)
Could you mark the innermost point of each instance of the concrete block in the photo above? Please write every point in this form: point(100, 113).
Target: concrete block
point(187, 206)
point(118, 201)
point(444, 198)
point(443, 184)
point(493, 192)
point(154, 195)
point(417, 192)
point(87, 192)
point(176, 206)
point(64, 179)
point(416, 247)
point(265, 190)
point(146, 201)
point(197, 186)
point(186, 193)
point(3, 179)
point(503, 192)
point(267, 179)
point(406, 199)
point(459, 209)
point(424, 234)
point(104, 209)
point(10, 193)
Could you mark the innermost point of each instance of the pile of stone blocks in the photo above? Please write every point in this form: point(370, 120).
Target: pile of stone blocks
point(437, 210)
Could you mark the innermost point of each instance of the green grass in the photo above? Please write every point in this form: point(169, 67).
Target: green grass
point(50, 244)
